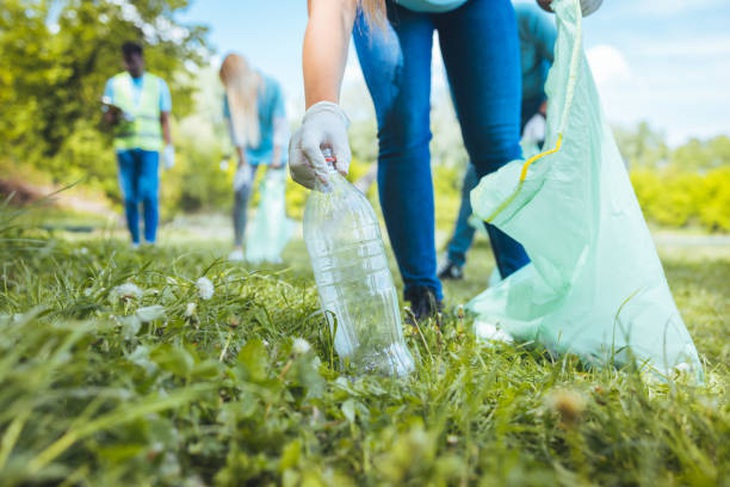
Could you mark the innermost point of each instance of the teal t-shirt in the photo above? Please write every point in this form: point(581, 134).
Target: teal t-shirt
point(537, 33)
point(431, 6)
point(271, 108)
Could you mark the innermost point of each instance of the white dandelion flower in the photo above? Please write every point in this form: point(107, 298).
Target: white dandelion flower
point(127, 291)
point(190, 310)
point(300, 346)
point(151, 313)
point(205, 288)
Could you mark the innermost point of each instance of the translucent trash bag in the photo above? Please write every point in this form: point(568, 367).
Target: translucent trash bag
point(595, 286)
point(271, 229)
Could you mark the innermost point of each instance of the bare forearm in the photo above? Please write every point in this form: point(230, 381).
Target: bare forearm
point(326, 42)
point(276, 157)
point(165, 123)
point(241, 156)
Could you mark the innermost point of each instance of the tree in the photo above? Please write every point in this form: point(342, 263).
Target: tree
point(56, 58)
point(642, 146)
point(702, 156)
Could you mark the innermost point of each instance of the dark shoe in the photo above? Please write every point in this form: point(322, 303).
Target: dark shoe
point(450, 270)
point(423, 302)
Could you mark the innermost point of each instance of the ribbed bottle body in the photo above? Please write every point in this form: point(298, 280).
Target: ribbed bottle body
point(356, 289)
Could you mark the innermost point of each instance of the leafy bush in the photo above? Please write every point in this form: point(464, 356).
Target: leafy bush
point(715, 212)
point(674, 198)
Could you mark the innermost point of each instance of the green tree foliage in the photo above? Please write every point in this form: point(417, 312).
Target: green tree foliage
point(642, 146)
point(675, 198)
point(56, 58)
point(702, 156)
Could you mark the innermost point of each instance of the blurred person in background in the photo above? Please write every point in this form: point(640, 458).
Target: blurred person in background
point(253, 107)
point(137, 105)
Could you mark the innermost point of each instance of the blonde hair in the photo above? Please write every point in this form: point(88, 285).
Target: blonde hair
point(242, 84)
point(374, 11)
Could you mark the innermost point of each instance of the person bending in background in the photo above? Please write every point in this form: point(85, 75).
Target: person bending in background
point(137, 105)
point(537, 34)
point(253, 107)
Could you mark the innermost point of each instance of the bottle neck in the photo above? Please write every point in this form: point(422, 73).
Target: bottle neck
point(325, 186)
point(329, 158)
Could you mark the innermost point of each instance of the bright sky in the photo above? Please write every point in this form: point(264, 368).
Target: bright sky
point(663, 61)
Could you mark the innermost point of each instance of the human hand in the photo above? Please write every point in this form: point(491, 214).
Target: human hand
point(168, 156)
point(586, 6)
point(323, 125)
point(242, 177)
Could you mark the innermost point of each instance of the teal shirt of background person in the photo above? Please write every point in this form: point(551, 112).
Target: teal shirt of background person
point(538, 34)
point(271, 108)
point(431, 6)
point(165, 98)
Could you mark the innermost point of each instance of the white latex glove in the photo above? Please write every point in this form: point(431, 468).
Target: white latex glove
point(586, 6)
point(168, 156)
point(323, 125)
point(242, 177)
point(535, 129)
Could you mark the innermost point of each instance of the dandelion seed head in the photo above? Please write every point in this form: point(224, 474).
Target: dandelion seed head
point(205, 288)
point(300, 346)
point(190, 309)
point(127, 291)
point(569, 405)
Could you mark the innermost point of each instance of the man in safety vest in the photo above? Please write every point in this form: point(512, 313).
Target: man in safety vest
point(137, 105)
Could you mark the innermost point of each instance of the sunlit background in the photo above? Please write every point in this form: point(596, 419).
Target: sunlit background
point(662, 68)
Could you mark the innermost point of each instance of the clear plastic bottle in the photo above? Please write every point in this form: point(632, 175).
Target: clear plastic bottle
point(355, 286)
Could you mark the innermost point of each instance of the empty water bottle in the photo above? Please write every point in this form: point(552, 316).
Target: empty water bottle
point(355, 286)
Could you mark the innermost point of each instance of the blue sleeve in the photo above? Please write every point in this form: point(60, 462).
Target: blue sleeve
point(165, 98)
point(226, 108)
point(544, 34)
point(278, 101)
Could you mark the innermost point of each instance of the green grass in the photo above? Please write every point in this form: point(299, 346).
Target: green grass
point(162, 387)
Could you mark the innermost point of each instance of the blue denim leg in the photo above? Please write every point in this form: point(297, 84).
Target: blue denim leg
point(396, 64)
point(128, 171)
point(480, 47)
point(148, 185)
point(240, 206)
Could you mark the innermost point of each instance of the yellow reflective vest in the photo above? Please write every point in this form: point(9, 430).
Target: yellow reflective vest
point(144, 130)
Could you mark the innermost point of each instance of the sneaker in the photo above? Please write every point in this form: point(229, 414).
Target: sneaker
point(423, 302)
point(236, 256)
point(450, 270)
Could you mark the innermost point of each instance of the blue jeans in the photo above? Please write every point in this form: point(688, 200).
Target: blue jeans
point(463, 234)
point(139, 181)
point(481, 54)
point(240, 206)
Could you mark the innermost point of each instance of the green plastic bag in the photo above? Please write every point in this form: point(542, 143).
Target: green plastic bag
point(595, 287)
point(271, 229)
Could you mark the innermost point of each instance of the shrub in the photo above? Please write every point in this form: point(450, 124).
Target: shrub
point(676, 198)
